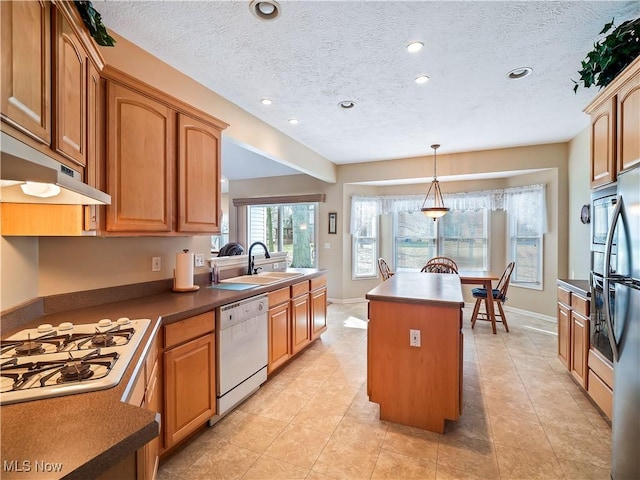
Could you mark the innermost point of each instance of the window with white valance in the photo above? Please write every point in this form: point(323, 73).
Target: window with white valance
point(526, 217)
point(462, 234)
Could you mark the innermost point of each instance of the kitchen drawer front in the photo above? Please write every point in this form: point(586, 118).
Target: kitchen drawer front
point(601, 367)
point(187, 329)
point(318, 282)
point(278, 296)
point(564, 296)
point(600, 393)
point(580, 305)
point(299, 289)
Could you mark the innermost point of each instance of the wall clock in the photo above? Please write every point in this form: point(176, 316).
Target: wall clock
point(585, 214)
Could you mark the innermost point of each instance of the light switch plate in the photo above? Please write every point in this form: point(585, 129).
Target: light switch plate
point(414, 338)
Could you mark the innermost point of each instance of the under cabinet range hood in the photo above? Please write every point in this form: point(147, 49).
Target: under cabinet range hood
point(29, 176)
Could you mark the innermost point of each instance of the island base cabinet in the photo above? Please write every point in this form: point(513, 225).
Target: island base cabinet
point(415, 386)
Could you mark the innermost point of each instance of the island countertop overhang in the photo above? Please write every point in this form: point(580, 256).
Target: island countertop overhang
point(420, 288)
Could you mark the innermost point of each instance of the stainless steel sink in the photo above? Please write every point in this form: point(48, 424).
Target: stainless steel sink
point(279, 275)
point(263, 278)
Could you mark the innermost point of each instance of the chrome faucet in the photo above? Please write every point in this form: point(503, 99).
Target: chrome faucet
point(251, 269)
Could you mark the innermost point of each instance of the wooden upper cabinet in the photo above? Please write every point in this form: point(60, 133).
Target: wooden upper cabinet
point(71, 64)
point(628, 151)
point(198, 176)
point(25, 84)
point(615, 126)
point(603, 128)
point(94, 141)
point(140, 159)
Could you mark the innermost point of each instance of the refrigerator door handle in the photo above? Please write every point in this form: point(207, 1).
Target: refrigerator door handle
point(618, 213)
point(609, 244)
point(607, 315)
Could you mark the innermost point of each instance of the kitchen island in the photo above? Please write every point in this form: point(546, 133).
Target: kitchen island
point(414, 349)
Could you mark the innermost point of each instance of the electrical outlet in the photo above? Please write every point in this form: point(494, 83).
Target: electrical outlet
point(414, 338)
point(156, 264)
point(198, 260)
point(275, 266)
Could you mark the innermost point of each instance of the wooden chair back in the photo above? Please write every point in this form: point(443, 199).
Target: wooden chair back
point(440, 265)
point(503, 283)
point(385, 271)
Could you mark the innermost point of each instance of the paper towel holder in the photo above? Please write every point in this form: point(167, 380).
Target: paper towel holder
point(191, 288)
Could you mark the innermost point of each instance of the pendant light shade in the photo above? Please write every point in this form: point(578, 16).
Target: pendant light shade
point(434, 208)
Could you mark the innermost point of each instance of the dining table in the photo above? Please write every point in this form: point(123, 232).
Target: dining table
point(484, 279)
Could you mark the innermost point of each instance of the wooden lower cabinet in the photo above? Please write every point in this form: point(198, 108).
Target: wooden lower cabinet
point(148, 457)
point(300, 331)
point(579, 348)
point(600, 381)
point(564, 335)
point(279, 335)
point(189, 377)
point(297, 316)
point(318, 304)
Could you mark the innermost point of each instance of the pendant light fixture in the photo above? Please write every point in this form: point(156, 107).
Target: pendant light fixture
point(437, 209)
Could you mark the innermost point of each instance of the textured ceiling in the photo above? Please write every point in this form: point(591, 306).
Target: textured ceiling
point(318, 53)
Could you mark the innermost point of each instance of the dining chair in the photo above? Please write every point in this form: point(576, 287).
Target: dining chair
point(440, 265)
point(499, 295)
point(385, 271)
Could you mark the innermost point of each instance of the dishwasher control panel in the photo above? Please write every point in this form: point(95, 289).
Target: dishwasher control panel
point(236, 312)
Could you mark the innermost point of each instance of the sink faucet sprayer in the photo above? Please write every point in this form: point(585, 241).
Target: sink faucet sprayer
point(250, 271)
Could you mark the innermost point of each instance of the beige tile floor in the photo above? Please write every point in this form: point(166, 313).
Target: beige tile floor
point(523, 417)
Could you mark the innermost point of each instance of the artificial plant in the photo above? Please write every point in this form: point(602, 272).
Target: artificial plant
point(610, 55)
point(93, 21)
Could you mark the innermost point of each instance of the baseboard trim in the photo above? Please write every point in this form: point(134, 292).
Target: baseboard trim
point(343, 301)
point(540, 316)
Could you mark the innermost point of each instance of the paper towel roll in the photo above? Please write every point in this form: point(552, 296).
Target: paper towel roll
point(183, 275)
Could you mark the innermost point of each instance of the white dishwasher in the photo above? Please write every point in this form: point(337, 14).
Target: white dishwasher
point(242, 351)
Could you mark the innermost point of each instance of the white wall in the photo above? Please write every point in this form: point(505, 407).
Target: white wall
point(579, 194)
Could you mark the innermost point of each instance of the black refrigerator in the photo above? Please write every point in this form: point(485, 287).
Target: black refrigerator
point(622, 311)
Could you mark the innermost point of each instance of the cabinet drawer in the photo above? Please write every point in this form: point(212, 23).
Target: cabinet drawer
point(184, 330)
point(564, 296)
point(601, 367)
point(580, 304)
point(318, 282)
point(278, 296)
point(299, 289)
point(600, 393)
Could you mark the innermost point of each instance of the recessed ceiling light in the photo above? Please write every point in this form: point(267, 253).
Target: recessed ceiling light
point(415, 47)
point(293, 121)
point(422, 79)
point(347, 104)
point(518, 73)
point(266, 101)
point(265, 9)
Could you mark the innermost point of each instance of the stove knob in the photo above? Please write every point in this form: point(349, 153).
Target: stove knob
point(105, 322)
point(65, 326)
point(45, 327)
point(124, 321)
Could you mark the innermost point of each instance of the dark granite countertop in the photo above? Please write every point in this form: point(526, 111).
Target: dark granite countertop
point(423, 288)
point(88, 433)
point(581, 287)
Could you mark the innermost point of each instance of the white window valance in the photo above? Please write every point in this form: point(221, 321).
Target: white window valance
point(486, 199)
